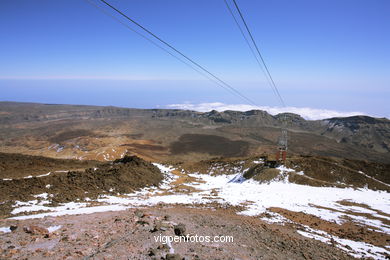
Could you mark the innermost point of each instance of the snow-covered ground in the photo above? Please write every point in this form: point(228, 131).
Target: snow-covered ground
point(235, 190)
point(357, 249)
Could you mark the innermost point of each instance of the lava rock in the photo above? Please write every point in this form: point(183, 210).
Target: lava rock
point(173, 257)
point(139, 213)
point(36, 230)
point(152, 252)
point(13, 227)
point(179, 229)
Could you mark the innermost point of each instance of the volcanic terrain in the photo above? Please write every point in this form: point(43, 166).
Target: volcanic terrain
point(105, 182)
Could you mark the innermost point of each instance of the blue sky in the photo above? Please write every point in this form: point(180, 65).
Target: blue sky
point(325, 54)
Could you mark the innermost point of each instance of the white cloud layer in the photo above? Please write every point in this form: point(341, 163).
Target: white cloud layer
point(305, 112)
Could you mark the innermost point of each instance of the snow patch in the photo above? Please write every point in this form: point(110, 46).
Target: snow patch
point(5, 229)
point(43, 175)
point(237, 191)
point(354, 248)
point(53, 228)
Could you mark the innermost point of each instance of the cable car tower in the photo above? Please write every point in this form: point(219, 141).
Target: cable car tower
point(174, 52)
point(281, 154)
point(282, 140)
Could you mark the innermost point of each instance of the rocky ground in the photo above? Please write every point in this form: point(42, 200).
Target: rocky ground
point(309, 208)
point(13, 165)
point(120, 176)
point(131, 234)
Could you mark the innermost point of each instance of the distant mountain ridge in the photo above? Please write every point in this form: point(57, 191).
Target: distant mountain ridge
point(360, 134)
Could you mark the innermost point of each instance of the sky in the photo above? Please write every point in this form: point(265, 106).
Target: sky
point(326, 56)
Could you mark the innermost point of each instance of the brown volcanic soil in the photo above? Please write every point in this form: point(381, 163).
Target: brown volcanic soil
point(17, 165)
point(347, 230)
point(67, 135)
point(128, 235)
point(117, 235)
point(209, 144)
point(219, 165)
point(122, 176)
point(334, 170)
point(318, 171)
point(377, 170)
point(90, 132)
